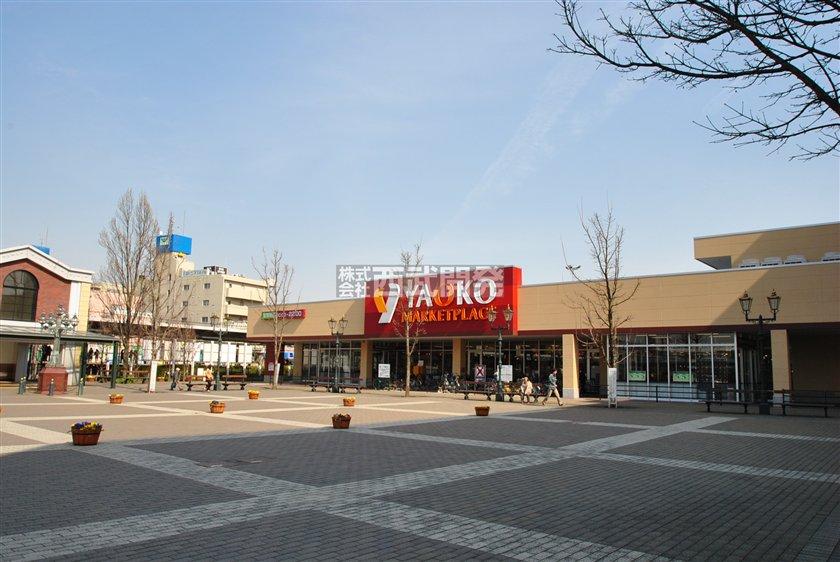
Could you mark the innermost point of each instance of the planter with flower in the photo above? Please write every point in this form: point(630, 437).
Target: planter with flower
point(253, 394)
point(115, 398)
point(482, 410)
point(349, 401)
point(217, 407)
point(86, 432)
point(341, 421)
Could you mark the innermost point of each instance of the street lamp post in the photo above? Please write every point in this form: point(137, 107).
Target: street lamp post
point(507, 315)
point(773, 300)
point(337, 328)
point(57, 323)
point(223, 325)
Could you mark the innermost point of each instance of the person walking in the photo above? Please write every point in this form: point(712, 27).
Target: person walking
point(551, 389)
point(176, 379)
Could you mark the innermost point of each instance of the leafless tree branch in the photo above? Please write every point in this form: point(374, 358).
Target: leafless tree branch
point(786, 50)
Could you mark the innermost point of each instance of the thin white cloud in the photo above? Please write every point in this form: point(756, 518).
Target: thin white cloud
point(519, 157)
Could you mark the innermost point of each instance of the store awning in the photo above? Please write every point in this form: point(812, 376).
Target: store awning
point(27, 334)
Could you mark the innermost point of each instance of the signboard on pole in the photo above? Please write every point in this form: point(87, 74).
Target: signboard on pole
point(507, 373)
point(152, 384)
point(478, 371)
point(384, 371)
point(612, 387)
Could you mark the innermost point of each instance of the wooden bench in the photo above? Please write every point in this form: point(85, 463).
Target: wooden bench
point(809, 399)
point(742, 398)
point(234, 379)
point(722, 402)
point(328, 384)
point(535, 395)
point(488, 389)
point(198, 380)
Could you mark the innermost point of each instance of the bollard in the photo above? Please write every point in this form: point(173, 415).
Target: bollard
point(52, 387)
point(22, 385)
point(81, 389)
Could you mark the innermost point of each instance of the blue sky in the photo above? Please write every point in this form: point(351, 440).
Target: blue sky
point(343, 132)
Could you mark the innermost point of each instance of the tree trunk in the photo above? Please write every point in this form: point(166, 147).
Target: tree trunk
point(276, 365)
point(407, 366)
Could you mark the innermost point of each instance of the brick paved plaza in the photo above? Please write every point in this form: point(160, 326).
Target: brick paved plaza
point(418, 478)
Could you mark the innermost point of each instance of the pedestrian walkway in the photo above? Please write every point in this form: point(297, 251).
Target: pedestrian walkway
point(417, 478)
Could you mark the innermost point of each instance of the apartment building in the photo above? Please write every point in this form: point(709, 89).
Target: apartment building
point(209, 300)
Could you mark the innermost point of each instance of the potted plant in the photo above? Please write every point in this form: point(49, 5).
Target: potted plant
point(341, 421)
point(253, 394)
point(482, 410)
point(86, 432)
point(115, 398)
point(217, 407)
point(349, 401)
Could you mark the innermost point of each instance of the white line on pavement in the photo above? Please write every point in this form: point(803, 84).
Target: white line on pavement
point(101, 416)
point(413, 411)
point(33, 433)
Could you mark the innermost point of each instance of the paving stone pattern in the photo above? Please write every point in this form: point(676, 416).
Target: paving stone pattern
point(644, 414)
point(503, 430)
point(326, 458)
point(304, 535)
point(49, 489)
point(646, 481)
point(775, 453)
point(664, 511)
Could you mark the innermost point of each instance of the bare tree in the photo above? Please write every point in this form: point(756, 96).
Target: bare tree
point(277, 276)
point(600, 298)
point(166, 303)
point(183, 342)
point(783, 50)
point(129, 244)
point(408, 326)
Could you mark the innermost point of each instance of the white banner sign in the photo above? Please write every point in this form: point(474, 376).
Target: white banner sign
point(384, 370)
point(507, 373)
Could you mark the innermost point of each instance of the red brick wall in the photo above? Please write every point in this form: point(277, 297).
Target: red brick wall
point(52, 290)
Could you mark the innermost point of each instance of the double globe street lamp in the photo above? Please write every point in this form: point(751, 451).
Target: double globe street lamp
point(746, 304)
point(507, 315)
point(337, 328)
point(57, 323)
point(773, 300)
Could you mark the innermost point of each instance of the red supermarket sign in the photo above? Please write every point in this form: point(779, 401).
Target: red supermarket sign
point(445, 304)
point(293, 314)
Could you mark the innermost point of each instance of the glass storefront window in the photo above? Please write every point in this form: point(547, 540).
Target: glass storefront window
point(430, 361)
point(700, 360)
point(724, 358)
point(636, 367)
point(701, 364)
point(658, 339)
point(700, 339)
point(320, 360)
point(658, 365)
point(679, 366)
point(637, 339)
point(534, 358)
point(723, 339)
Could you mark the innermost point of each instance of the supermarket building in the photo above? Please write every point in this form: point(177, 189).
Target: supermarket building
point(686, 331)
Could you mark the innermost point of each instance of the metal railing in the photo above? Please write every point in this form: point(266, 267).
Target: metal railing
point(692, 393)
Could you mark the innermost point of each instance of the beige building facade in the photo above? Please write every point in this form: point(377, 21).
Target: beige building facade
point(687, 333)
